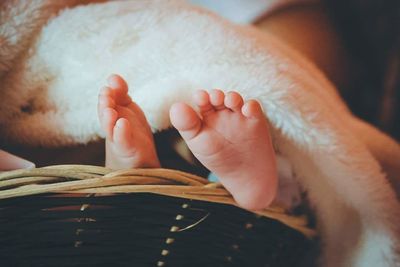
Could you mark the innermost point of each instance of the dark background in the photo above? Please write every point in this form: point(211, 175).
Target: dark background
point(371, 32)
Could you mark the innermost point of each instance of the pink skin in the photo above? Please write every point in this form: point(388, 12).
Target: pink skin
point(228, 136)
point(129, 140)
point(10, 162)
point(231, 138)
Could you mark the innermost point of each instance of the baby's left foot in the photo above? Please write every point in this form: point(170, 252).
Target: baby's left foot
point(129, 140)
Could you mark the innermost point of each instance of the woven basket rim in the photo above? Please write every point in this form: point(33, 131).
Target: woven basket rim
point(89, 179)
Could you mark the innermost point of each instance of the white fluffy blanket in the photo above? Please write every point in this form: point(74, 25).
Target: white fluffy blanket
point(167, 49)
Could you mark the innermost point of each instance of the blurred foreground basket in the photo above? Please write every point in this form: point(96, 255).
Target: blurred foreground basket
point(80, 215)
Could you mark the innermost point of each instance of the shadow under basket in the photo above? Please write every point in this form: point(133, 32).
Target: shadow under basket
point(74, 215)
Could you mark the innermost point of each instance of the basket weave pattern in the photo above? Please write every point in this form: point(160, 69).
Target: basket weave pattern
point(73, 215)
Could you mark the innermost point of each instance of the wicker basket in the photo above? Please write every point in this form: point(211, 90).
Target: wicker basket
point(74, 215)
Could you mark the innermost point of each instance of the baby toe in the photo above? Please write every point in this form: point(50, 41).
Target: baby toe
point(185, 120)
point(107, 120)
point(252, 109)
point(202, 100)
point(122, 135)
point(115, 81)
point(105, 91)
point(119, 88)
point(105, 100)
point(217, 99)
point(233, 101)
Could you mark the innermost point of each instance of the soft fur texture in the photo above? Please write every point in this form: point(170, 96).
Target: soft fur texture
point(167, 49)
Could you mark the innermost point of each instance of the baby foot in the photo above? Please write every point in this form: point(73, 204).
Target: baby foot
point(10, 162)
point(232, 140)
point(129, 140)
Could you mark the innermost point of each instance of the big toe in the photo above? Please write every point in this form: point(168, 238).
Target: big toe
point(119, 88)
point(115, 81)
point(185, 120)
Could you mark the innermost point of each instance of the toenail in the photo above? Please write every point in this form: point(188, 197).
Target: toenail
point(113, 82)
point(119, 123)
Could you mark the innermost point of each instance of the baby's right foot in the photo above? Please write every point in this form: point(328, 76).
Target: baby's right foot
point(232, 140)
point(129, 140)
